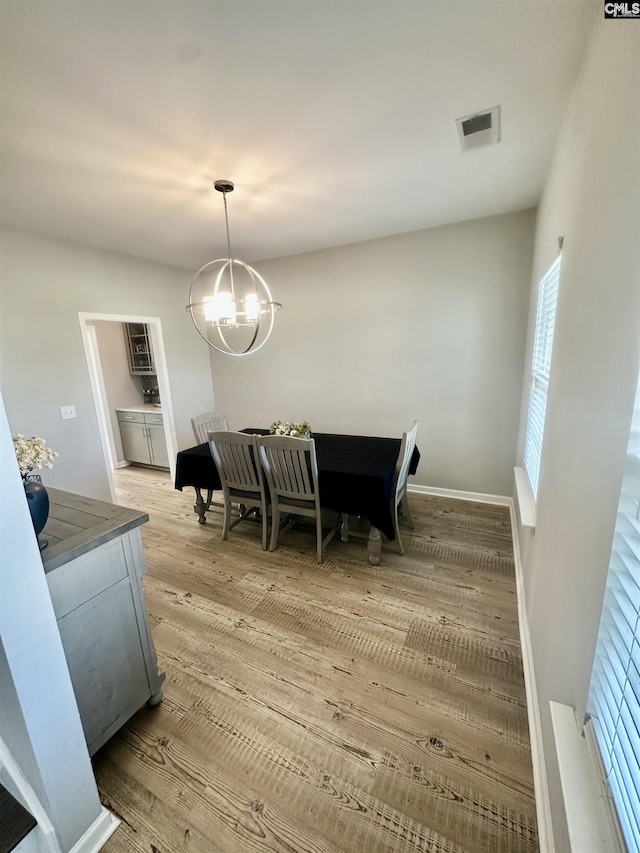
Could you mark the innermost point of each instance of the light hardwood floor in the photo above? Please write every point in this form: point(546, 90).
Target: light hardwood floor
point(325, 708)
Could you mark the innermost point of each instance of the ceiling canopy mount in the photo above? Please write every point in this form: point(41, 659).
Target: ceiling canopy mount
point(224, 186)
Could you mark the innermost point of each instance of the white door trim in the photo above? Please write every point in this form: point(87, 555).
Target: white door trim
point(104, 426)
point(96, 378)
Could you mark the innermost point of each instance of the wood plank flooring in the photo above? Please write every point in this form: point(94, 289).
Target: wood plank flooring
point(333, 708)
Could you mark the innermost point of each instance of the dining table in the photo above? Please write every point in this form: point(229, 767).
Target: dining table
point(355, 478)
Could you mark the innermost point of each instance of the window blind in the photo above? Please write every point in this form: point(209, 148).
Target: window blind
point(614, 696)
point(540, 372)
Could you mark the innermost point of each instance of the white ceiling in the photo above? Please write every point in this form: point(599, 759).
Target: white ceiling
point(335, 120)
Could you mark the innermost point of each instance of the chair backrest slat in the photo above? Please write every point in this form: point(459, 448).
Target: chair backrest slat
point(244, 464)
point(208, 422)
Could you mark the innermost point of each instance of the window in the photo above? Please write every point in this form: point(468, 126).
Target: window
point(540, 371)
point(614, 696)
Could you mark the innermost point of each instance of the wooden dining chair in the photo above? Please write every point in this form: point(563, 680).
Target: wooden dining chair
point(236, 457)
point(202, 425)
point(208, 422)
point(399, 484)
point(291, 470)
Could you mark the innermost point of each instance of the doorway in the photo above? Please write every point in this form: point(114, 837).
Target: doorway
point(103, 394)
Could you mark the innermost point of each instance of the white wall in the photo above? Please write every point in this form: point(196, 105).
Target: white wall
point(39, 719)
point(44, 284)
point(592, 197)
point(428, 325)
point(121, 387)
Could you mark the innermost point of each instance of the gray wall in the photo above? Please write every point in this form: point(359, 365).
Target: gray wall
point(428, 325)
point(122, 389)
point(592, 198)
point(44, 284)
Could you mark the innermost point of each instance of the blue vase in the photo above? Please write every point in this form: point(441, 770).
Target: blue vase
point(38, 502)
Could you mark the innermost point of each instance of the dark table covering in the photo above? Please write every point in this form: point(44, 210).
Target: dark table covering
point(355, 473)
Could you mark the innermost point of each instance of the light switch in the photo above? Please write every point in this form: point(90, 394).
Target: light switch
point(67, 412)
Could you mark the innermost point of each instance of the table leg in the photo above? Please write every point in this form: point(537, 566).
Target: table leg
point(344, 527)
point(200, 507)
point(374, 546)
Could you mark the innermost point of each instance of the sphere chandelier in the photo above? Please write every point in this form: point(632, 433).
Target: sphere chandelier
point(229, 302)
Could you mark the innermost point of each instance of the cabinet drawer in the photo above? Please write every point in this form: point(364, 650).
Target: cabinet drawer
point(77, 582)
point(131, 417)
point(153, 419)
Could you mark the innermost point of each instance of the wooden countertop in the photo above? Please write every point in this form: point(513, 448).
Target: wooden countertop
point(78, 524)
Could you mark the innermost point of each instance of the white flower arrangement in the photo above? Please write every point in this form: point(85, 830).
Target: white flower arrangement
point(32, 453)
point(302, 430)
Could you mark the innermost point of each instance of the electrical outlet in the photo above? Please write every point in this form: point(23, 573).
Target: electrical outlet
point(67, 412)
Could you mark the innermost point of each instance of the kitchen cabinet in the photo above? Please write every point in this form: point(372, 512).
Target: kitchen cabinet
point(139, 349)
point(143, 440)
point(157, 441)
point(94, 565)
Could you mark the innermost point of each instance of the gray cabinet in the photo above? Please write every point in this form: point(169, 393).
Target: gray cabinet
point(143, 438)
point(98, 599)
point(134, 441)
point(157, 443)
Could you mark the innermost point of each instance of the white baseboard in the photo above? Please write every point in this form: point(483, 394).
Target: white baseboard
point(477, 497)
point(97, 835)
point(543, 805)
point(124, 464)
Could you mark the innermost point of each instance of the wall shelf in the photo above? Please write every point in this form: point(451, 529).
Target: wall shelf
point(139, 349)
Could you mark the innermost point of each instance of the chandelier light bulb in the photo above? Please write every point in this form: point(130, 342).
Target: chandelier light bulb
point(224, 309)
point(252, 307)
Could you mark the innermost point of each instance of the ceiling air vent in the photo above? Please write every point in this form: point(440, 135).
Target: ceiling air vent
point(479, 129)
